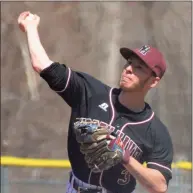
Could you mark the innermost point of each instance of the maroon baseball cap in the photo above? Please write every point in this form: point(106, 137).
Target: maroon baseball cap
point(152, 57)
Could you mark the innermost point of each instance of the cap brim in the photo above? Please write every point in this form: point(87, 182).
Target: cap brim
point(126, 52)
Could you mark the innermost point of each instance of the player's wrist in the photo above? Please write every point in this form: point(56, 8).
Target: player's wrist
point(31, 29)
point(126, 157)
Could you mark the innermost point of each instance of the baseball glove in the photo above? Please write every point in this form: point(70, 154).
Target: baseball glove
point(102, 149)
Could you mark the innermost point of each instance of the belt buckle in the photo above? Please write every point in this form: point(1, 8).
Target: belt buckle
point(87, 190)
point(82, 190)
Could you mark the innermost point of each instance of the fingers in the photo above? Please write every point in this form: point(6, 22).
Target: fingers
point(22, 16)
point(26, 15)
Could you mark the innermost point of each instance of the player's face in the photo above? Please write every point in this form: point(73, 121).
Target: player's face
point(136, 76)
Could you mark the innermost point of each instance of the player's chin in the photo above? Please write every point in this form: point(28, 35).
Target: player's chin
point(125, 86)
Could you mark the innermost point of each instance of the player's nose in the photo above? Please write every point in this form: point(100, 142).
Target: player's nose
point(129, 69)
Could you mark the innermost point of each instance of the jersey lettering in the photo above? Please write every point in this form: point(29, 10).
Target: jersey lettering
point(120, 134)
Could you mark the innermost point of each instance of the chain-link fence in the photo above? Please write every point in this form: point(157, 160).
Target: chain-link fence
point(30, 180)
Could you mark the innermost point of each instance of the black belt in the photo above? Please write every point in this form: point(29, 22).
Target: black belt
point(80, 189)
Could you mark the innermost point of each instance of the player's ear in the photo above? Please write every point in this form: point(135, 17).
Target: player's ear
point(155, 81)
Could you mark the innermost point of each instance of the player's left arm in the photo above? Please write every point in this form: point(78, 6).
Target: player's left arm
point(155, 177)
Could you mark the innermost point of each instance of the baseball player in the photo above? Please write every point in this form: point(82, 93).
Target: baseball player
point(112, 131)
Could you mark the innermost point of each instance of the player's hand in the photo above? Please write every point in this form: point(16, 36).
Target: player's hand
point(28, 20)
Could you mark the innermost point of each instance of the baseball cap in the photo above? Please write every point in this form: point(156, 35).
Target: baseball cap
point(152, 57)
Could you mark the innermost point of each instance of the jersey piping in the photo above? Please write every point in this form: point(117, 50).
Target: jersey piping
point(112, 106)
point(67, 82)
point(159, 166)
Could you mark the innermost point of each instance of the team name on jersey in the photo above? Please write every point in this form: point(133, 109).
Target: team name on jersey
point(135, 151)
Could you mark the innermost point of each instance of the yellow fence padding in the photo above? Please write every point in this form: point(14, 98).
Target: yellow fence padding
point(57, 163)
point(34, 162)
